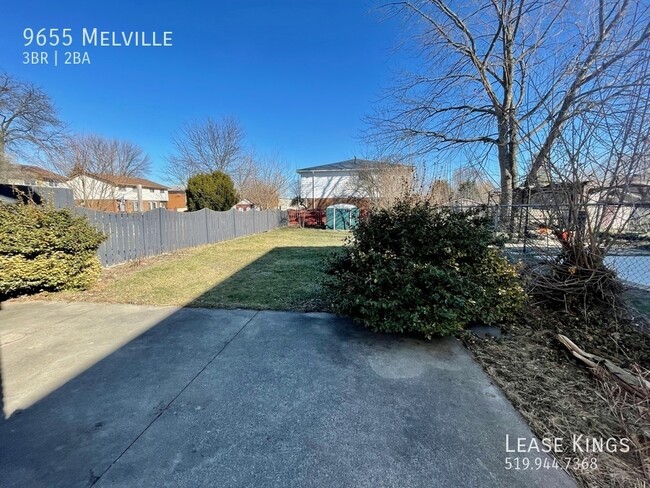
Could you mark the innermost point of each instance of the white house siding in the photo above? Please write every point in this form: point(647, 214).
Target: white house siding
point(148, 194)
point(329, 184)
point(88, 188)
point(36, 182)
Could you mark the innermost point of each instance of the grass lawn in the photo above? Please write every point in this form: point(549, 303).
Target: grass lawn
point(278, 270)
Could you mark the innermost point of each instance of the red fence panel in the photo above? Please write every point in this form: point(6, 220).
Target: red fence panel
point(307, 218)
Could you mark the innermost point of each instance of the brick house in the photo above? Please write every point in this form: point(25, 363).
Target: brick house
point(177, 199)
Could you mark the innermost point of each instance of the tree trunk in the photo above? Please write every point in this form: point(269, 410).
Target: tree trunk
point(508, 132)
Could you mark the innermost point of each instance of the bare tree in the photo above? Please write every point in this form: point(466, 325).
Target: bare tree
point(510, 75)
point(440, 193)
point(597, 174)
point(204, 147)
point(96, 165)
point(384, 182)
point(262, 181)
point(470, 183)
point(28, 119)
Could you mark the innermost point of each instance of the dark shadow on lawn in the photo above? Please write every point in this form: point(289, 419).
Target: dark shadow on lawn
point(285, 278)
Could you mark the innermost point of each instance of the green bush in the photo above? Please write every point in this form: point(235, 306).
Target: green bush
point(42, 248)
point(419, 268)
point(215, 191)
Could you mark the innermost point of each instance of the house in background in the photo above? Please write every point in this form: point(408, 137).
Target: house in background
point(177, 199)
point(23, 174)
point(354, 181)
point(623, 207)
point(285, 203)
point(112, 193)
point(244, 205)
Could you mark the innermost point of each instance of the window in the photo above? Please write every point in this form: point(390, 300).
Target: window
point(136, 206)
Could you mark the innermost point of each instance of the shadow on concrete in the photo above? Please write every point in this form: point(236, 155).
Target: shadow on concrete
point(85, 394)
point(147, 396)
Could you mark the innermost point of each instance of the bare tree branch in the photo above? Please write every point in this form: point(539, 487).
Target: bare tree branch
point(204, 147)
point(28, 119)
point(95, 165)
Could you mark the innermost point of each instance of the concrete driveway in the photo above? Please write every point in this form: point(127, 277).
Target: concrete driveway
point(121, 395)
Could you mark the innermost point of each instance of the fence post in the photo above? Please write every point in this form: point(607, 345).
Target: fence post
point(207, 227)
point(234, 223)
point(144, 235)
point(160, 230)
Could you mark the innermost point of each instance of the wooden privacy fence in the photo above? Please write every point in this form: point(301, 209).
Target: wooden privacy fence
point(136, 235)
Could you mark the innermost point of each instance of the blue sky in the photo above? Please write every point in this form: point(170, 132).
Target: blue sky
point(298, 74)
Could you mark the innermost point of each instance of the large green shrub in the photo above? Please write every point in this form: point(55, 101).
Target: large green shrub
point(42, 248)
point(215, 191)
point(420, 268)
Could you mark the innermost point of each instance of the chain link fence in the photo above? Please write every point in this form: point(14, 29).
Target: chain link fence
point(537, 233)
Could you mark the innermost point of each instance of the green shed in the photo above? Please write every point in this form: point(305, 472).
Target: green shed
point(341, 216)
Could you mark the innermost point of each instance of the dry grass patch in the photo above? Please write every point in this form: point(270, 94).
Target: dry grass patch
point(278, 270)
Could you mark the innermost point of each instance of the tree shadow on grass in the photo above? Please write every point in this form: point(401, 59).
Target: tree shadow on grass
point(285, 278)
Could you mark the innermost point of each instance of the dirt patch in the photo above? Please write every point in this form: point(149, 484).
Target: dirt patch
point(560, 398)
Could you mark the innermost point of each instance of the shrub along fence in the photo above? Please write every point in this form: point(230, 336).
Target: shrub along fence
point(133, 236)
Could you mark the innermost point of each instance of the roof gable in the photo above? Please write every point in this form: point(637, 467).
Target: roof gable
point(26, 171)
point(347, 165)
point(117, 180)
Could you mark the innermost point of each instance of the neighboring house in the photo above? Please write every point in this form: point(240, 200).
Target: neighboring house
point(23, 174)
point(622, 207)
point(22, 182)
point(356, 181)
point(284, 203)
point(177, 199)
point(244, 205)
point(112, 193)
point(612, 208)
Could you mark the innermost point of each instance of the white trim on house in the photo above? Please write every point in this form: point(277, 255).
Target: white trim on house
point(87, 188)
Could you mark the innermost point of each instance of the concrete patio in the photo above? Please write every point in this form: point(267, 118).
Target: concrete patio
point(123, 395)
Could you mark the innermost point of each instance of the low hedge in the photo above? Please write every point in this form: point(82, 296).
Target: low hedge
point(424, 269)
point(45, 249)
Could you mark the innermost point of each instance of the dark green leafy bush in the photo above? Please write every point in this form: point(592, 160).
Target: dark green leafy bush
point(214, 191)
point(42, 248)
point(419, 268)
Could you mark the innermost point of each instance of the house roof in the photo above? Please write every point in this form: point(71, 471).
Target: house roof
point(118, 180)
point(26, 171)
point(347, 165)
point(633, 193)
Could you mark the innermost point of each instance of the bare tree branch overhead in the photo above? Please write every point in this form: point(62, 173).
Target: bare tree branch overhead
point(512, 75)
point(29, 121)
point(204, 147)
